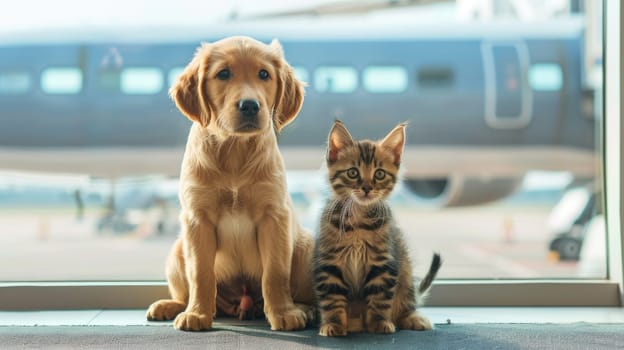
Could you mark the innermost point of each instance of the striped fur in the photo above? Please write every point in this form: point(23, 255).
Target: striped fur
point(362, 270)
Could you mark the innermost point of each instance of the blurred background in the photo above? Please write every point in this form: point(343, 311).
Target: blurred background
point(502, 172)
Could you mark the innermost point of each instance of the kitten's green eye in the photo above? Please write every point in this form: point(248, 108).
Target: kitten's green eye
point(353, 173)
point(379, 174)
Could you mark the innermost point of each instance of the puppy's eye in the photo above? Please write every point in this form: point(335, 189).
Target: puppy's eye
point(224, 74)
point(353, 173)
point(380, 174)
point(263, 74)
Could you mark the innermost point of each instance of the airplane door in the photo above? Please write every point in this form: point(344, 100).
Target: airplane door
point(508, 99)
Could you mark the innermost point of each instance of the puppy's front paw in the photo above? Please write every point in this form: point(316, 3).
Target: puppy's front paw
point(164, 310)
point(191, 321)
point(332, 330)
point(289, 319)
point(383, 326)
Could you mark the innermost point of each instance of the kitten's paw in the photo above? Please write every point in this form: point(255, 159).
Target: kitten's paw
point(164, 310)
point(415, 321)
point(290, 319)
point(191, 321)
point(309, 311)
point(383, 327)
point(332, 330)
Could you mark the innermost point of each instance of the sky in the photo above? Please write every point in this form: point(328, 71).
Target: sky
point(20, 15)
point(37, 14)
point(27, 15)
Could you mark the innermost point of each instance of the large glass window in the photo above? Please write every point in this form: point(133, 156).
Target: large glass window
point(501, 173)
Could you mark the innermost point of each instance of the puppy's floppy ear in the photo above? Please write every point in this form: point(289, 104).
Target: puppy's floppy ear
point(186, 91)
point(290, 91)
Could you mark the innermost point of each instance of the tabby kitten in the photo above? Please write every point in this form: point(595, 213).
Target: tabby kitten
point(362, 270)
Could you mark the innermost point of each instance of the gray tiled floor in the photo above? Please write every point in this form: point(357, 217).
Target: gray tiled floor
point(439, 315)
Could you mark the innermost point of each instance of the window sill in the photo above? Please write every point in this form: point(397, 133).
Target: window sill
point(138, 295)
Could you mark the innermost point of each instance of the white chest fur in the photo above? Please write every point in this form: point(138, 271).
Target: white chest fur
point(355, 264)
point(237, 247)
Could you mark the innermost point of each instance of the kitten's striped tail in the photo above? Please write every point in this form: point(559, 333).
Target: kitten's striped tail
point(436, 262)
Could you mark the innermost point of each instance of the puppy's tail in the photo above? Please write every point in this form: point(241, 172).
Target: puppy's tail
point(436, 262)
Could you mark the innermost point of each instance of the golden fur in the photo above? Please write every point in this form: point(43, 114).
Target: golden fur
point(236, 215)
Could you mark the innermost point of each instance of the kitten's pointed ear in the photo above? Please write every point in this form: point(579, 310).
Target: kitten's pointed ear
point(394, 141)
point(339, 138)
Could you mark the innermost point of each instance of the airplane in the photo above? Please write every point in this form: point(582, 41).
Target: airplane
point(485, 104)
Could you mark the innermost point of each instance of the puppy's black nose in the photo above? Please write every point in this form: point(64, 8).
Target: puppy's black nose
point(248, 108)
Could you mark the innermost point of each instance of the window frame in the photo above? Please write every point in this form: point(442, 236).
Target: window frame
point(565, 292)
point(612, 142)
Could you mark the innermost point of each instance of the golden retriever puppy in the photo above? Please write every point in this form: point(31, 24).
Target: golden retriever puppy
point(240, 242)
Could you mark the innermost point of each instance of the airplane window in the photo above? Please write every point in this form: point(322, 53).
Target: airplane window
point(335, 79)
point(61, 80)
point(385, 79)
point(435, 78)
point(14, 82)
point(545, 77)
point(141, 81)
point(173, 74)
point(301, 73)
